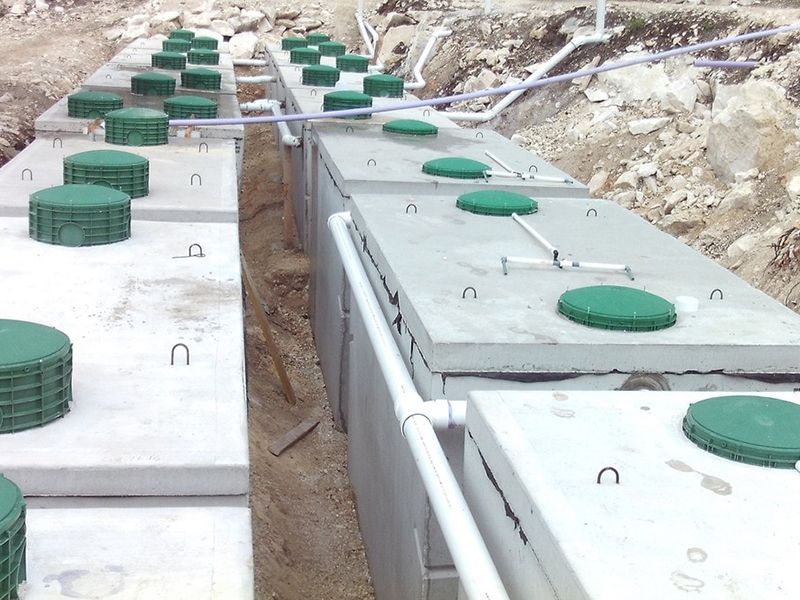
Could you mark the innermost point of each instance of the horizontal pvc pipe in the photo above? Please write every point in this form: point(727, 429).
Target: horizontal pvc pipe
point(419, 81)
point(267, 105)
point(256, 79)
point(446, 414)
point(505, 89)
point(477, 573)
point(564, 264)
point(726, 64)
point(536, 235)
point(249, 62)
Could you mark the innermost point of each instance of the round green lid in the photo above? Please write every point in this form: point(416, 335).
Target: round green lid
point(304, 51)
point(349, 97)
point(352, 58)
point(202, 72)
point(617, 307)
point(154, 77)
point(192, 101)
point(184, 34)
point(410, 127)
point(316, 38)
point(289, 43)
point(168, 54)
point(203, 52)
point(136, 113)
point(11, 503)
point(22, 342)
point(332, 48)
point(89, 96)
point(321, 70)
point(496, 203)
point(199, 39)
point(749, 429)
point(106, 158)
point(456, 167)
point(79, 194)
point(384, 79)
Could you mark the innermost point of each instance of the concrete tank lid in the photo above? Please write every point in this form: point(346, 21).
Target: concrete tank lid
point(410, 127)
point(497, 203)
point(617, 307)
point(455, 167)
point(755, 430)
point(22, 342)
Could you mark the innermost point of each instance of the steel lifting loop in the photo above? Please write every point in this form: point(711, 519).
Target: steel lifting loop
point(411, 205)
point(372, 162)
point(199, 253)
point(590, 211)
point(349, 129)
point(714, 291)
point(200, 147)
point(172, 354)
point(466, 289)
point(313, 92)
point(426, 113)
point(479, 134)
point(613, 470)
point(533, 168)
point(60, 143)
point(199, 179)
point(29, 173)
point(108, 76)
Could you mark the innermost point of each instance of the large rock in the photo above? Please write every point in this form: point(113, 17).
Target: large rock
point(222, 27)
point(481, 81)
point(751, 131)
point(678, 96)
point(740, 197)
point(287, 13)
point(637, 83)
point(643, 126)
point(243, 45)
point(250, 19)
point(395, 40)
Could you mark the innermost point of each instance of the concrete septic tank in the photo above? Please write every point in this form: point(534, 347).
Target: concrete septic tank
point(190, 180)
point(309, 100)
point(140, 58)
point(681, 521)
point(138, 426)
point(291, 76)
point(427, 265)
point(117, 78)
point(55, 120)
point(182, 553)
point(358, 159)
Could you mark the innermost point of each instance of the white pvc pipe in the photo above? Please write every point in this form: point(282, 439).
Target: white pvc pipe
point(256, 79)
point(267, 105)
point(419, 81)
point(249, 62)
point(477, 573)
point(446, 414)
point(536, 235)
point(562, 264)
point(574, 44)
point(502, 163)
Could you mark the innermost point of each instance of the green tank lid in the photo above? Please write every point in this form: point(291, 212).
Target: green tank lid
point(496, 203)
point(153, 84)
point(201, 79)
point(168, 60)
point(320, 75)
point(12, 539)
point(344, 99)
point(456, 168)
point(92, 105)
point(332, 48)
point(617, 307)
point(410, 127)
point(35, 375)
point(79, 215)
point(383, 86)
point(123, 171)
point(137, 127)
point(315, 39)
point(203, 42)
point(182, 34)
point(304, 56)
point(177, 45)
point(290, 43)
point(187, 107)
point(352, 63)
point(750, 429)
point(201, 56)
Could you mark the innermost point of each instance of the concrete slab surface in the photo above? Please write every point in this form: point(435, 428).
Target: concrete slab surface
point(134, 554)
point(138, 426)
point(366, 159)
point(140, 57)
point(681, 522)
point(154, 44)
point(175, 195)
point(430, 257)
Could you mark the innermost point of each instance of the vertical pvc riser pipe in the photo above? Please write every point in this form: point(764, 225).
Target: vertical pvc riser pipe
point(477, 573)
